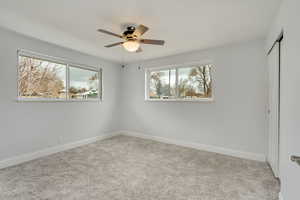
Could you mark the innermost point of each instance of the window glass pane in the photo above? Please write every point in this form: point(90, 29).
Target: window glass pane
point(84, 84)
point(173, 83)
point(41, 79)
point(194, 82)
point(159, 84)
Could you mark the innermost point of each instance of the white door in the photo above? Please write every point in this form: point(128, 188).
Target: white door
point(273, 112)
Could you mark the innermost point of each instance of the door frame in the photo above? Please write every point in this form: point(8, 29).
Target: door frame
point(279, 41)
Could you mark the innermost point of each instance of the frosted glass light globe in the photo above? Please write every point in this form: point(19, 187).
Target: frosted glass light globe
point(131, 46)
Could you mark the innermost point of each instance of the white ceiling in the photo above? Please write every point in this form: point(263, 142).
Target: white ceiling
point(185, 25)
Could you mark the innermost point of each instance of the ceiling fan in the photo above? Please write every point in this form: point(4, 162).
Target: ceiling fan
point(132, 36)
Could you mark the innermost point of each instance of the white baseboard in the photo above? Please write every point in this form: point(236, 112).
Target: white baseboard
point(210, 148)
point(45, 152)
point(280, 196)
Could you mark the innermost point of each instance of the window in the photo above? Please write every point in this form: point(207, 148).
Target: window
point(41, 79)
point(191, 82)
point(45, 79)
point(84, 84)
point(162, 84)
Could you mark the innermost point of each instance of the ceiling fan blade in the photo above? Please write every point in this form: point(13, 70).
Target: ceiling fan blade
point(139, 50)
point(109, 33)
point(154, 42)
point(140, 30)
point(114, 44)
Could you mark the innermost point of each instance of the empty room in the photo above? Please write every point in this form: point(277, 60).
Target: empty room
point(149, 100)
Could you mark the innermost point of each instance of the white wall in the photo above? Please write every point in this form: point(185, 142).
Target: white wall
point(236, 119)
point(288, 20)
point(28, 127)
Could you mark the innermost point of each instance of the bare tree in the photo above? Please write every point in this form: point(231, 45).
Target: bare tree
point(35, 80)
point(182, 87)
point(93, 81)
point(201, 75)
point(157, 83)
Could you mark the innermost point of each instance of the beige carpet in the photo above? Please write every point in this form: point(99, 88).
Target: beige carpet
point(128, 168)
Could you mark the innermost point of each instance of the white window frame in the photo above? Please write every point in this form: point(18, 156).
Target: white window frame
point(177, 66)
point(68, 64)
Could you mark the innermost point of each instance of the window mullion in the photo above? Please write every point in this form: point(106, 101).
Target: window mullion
point(147, 78)
point(176, 84)
point(169, 83)
point(67, 82)
point(100, 90)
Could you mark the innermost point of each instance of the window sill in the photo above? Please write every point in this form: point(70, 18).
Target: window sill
point(21, 100)
point(208, 100)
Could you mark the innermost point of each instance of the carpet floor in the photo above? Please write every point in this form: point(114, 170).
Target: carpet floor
point(129, 168)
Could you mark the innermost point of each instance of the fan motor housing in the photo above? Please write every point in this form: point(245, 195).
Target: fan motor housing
point(128, 34)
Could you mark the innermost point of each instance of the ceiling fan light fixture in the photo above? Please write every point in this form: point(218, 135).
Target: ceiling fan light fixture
point(131, 46)
point(132, 36)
